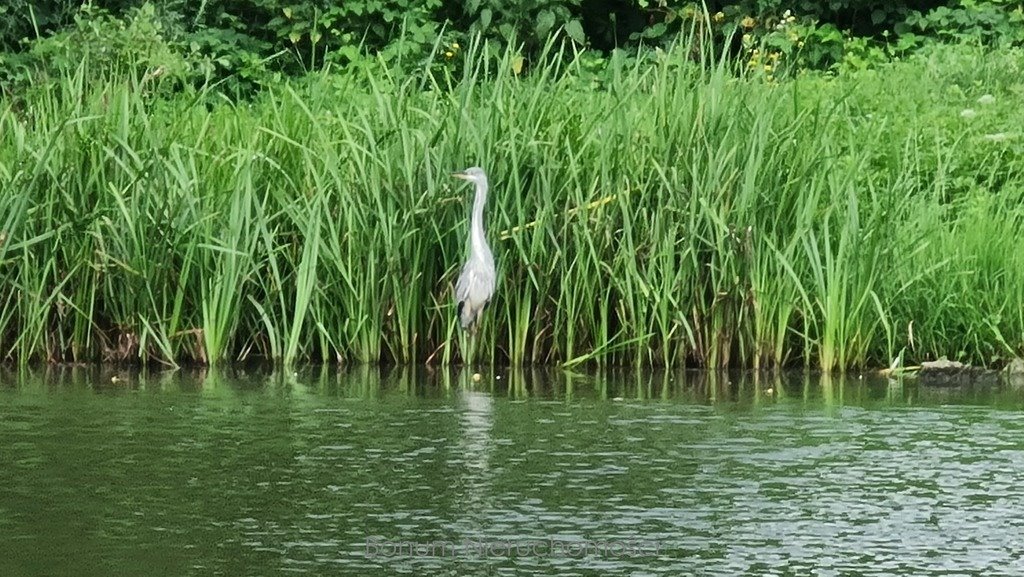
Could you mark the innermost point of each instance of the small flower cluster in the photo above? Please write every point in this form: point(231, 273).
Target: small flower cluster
point(984, 100)
point(787, 19)
point(785, 25)
point(970, 113)
point(765, 49)
point(452, 50)
point(764, 61)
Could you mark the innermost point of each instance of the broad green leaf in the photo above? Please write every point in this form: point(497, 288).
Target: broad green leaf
point(545, 22)
point(574, 30)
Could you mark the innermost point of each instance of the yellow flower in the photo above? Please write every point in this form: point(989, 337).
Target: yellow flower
point(719, 16)
point(748, 22)
point(448, 54)
point(455, 45)
point(768, 68)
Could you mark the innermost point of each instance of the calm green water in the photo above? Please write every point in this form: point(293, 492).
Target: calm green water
point(541, 474)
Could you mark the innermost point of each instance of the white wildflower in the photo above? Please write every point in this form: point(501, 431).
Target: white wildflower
point(986, 100)
point(968, 113)
point(997, 137)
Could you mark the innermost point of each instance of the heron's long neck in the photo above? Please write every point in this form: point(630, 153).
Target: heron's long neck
point(476, 225)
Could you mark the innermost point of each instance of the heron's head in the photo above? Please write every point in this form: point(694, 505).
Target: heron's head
point(474, 174)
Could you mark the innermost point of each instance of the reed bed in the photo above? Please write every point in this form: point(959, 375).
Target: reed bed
point(676, 213)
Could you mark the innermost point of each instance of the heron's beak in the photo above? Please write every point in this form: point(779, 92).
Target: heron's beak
point(461, 175)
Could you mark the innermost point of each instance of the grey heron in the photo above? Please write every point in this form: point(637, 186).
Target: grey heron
point(475, 286)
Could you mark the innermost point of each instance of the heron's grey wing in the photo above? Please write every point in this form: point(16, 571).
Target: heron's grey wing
point(473, 291)
point(475, 284)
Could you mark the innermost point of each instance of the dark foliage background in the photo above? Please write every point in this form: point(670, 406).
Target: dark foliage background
point(250, 42)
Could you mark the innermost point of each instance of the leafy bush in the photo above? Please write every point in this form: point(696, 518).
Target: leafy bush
point(19, 19)
point(101, 45)
point(990, 21)
point(528, 21)
point(244, 45)
point(860, 17)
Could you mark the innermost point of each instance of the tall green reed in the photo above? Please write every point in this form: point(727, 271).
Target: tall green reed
point(672, 213)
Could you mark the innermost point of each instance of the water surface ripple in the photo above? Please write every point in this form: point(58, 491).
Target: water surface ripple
point(248, 476)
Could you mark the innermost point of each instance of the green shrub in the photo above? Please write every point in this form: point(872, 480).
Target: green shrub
point(990, 21)
point(103, 46)
point(21, 19)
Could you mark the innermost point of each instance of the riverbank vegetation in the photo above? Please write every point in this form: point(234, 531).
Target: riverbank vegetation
point(703, 203)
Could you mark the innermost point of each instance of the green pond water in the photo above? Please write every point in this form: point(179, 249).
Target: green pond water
point(406, 472)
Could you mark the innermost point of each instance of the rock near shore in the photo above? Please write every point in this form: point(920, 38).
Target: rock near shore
point(948, 373)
